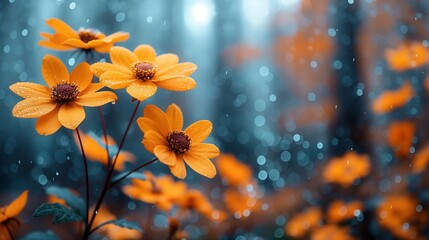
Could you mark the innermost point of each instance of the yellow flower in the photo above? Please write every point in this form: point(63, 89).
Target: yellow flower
point(400, 137)
point(236, 173)
point(408, 55)
point(390, 100)
point(340, 211)
point(60, 103)
point(8, 222)
point(142, 72)
point(164, 137)
point(331, 232)
point(194, 200)
point(65, 38)
point(162, 191)
point(299, 225)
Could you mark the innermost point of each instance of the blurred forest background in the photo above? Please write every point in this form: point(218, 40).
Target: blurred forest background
point(288, 85)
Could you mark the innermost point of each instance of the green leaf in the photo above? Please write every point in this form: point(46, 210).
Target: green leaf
point(73, 201)
point(126, 224)
point(132, 175)
point(60, 212)
point(49, 235)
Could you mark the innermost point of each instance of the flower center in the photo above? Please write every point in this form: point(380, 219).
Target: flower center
point(87, 35)
point(144, 70)
point(64, 92)
point(179, 142)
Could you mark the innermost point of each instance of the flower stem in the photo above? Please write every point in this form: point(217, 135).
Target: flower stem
point(86, 176)
point(103, 124)
point(129, 173)
point(106, 188)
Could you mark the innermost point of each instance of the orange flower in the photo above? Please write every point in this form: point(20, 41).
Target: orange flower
point(61, 103)
point(163, 136)
point(300, 224)
point(240, 204)
point(233, 171)
point(346, 169)
point(8, 222)
point(95, 150)
point(331, 232)
point(194, 200)
point(395, 211)
point(400, 137)
point(340, 211)
point(112, 231)
point(65, 38)
point(407, 56)
point(393, 99)
point(421, 160)
point(161, 191)
point(142, 72)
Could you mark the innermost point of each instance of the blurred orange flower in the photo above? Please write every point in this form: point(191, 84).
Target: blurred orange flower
point(164, 137)
point(340, 211)
point(301, 223)
point(60, 104)
point(194, 200)
point(95, 150)
point(400, 137)
point(397, 210)
point(241, 204)
point(393, 99)
point(8, 222)
point(233, 171)
point(161, 191)
point(65, 38)
point(331, 232)
point(239, 53)
point(346, 169)
point(142, 72)
point(421, 160)
point(112, 231)
point(407, 56)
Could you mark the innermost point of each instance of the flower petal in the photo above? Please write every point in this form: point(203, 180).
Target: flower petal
point(48, 123)
point(92, 88)
point(145, 53)
point(98, 43)
point(30, 90)
point(61, 27)
point(165, 155)
point(17, 205)
point(71, 115)
point(185, 68)
point(198, 131)
point(158, 116)
point(175, 117)
point(81, 75)
point(54, 46)
point(123, 57)
point(141, 90)
point(74, 42)
point(145, 124)
point(206, 149)
point(152, 139)
point(178, 83)
point(100, 68)
point(117, 80)
point(53, 70)
point(96, 99)
point(179, 169)
point(166, 60)
point(118, 37)
point(200, 164)
point(33, 107)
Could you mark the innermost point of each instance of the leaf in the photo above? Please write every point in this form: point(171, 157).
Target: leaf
point(49, 235)
point(60, 212)
point(73, 201)
point(126, 224)
point(132, 175)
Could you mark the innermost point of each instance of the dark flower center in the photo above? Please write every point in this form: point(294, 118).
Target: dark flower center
point(179, 142)
point(144, 70)
point(87, 35)
point(64, 92)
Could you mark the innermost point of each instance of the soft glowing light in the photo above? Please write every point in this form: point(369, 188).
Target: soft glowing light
point(200, 13)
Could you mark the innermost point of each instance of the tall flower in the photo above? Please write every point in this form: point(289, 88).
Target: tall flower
point(142, 72)
point(164, 137)
point(60, 103)
point(65, 38)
